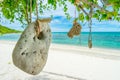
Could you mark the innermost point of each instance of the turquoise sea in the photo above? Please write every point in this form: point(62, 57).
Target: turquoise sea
point(100, 39)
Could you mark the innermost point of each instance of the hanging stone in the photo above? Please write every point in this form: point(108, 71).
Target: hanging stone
point(90, 43)
point(31, 51)
point(75, 30)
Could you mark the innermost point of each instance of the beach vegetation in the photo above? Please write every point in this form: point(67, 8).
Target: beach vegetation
point(5, 30)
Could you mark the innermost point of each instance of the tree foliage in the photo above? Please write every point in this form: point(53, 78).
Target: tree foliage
point(109, 10)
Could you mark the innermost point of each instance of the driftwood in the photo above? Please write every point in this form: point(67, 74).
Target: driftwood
point(31, 51)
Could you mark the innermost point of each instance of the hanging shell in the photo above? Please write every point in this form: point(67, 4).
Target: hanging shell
point(75, 30)
point(31, 51)
point(90, 43)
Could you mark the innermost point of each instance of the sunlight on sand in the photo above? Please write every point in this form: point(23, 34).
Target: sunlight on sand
point(65, 63)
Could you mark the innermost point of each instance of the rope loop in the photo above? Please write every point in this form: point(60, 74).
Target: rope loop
point(37, 9)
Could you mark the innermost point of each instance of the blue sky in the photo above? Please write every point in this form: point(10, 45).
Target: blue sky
point(59, 22)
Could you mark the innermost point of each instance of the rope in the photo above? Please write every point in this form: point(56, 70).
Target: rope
point(90, 23)
point(30, 11)
point(90, 32)
point(38, 28)
point(27, 11)
point(75, 20)
point(75, 12)
point(37, 8)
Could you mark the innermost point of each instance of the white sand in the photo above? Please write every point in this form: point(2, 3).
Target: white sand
point(65, 63)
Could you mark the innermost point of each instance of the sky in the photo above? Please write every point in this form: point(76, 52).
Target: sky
point(59, 22)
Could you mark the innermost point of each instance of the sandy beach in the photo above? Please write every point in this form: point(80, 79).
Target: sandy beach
point(65, 62)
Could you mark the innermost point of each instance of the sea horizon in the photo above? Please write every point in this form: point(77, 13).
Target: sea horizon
point(110, 40)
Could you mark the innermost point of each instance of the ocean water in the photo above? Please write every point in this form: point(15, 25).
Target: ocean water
point(100, 39)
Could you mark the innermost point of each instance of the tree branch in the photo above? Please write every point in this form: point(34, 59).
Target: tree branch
point(83, 9)
point(94, 5)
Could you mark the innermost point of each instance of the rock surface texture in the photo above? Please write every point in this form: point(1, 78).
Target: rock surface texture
point(31, 51)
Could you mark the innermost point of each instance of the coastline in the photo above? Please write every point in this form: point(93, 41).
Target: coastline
point(105, 53)
point(103, 40)
point(65, 63)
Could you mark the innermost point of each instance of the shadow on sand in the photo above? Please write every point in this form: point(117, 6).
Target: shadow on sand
point(53, 76)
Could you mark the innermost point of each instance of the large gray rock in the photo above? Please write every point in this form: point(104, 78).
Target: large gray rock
point(31, 51)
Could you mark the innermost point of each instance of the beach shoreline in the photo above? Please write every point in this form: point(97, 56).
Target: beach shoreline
point(65, 62)
point(100, 39)
point(78, 46)
point(95, 51)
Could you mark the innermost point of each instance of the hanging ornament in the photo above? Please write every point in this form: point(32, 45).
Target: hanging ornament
point(75, 30)
point(31, 51)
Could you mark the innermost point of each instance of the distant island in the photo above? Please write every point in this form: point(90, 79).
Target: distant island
point(6, 30)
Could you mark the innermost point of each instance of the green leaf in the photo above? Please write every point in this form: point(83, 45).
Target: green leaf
point(68, 16)
point(81, 17)
point(87, 18)
point(95, 15)
point(104, 16)
point(11, 8)
point(65, 8)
